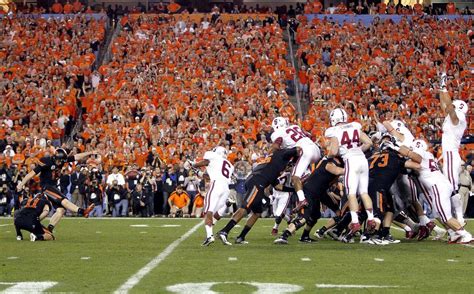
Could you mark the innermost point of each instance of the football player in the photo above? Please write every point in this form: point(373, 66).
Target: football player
point(438, 190)
point(454, 126)
point(280, 200)
point(348, 141)
point(220, 171)
point(47, 169)
point(263, 175)
point(315, 189)
point(29, 218)
point(289, 136)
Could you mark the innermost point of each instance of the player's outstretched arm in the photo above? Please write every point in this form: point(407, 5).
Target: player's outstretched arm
point(410, 164)
point(25, 180)
point(83, 155)
point(334, 169)
point(333, 147)
point(447, 106)
point(366, 142)
point(201, 163)
point(391, 130)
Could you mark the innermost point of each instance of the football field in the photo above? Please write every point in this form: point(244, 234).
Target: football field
point(165, 256)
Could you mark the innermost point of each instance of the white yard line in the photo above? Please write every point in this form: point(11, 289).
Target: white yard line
point(138, 276)
point(469, 245)
point(353, 286)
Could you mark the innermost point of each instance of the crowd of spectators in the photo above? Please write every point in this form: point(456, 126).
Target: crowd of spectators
point(386, 69)
point(175, 88)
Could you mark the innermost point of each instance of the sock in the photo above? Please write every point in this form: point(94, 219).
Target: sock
point(244, 232)
point(439, 230)
point(384, 232)
point(80, 211)
point(300, 194)
point(451, 232)
point(424, 220)
point(286, 234)
point(370, 214)
point(355, 217)
point(275, 226)
point(214, 220)
point(407, 228)
point(287, 218)
point(231, 224)
point(277, 220)
point(305, 234)
point(323, 230)
point(457, 206)
point(208, 231)
point(50, 228)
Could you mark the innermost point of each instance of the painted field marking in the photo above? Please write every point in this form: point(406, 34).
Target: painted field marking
point(354, 286)
point(232, 259)
point(7, 231)
point(397, 229)
point(13, 257)
point(169, 226)
point(452, 260)
point(4, 225)
point(98, 232)
point(85, 258)
point(138, 276)
point(237, 226)
point(305, 259)
point(139, 226)
point(143, 232)
point(379, 259)
point(27, 287)
point(468, 245)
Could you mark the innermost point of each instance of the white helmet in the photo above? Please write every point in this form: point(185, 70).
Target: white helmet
point(460, 105)
point(420, 144)
point(279, 122)
point(338, 115)
point(220, 151)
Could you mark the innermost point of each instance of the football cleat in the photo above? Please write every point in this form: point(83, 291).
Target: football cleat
point(319, 234)
point(240, 240)
point(223, 237)
point(274, 232)
point(32, 237)
point(300, 205)
point(208, 241)
point(454, 238)
point(88, 210)
point(440, 233)
point(281, 241)
point(334, 234)
point(349, 238)
point(391, 240)
point(371, 226)
point(377, 241)
point(364, 239)
point(307, 240)
point(423, 233)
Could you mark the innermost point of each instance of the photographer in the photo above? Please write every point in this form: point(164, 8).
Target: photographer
point(170, 180)
point(94, 195)
point(139, 200)
point(78, 185)
point(148, 182)
point(5, 199)
point(191, 185)
point(117, 197)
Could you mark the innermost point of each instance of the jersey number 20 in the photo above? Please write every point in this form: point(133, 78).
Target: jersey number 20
point(295, 133)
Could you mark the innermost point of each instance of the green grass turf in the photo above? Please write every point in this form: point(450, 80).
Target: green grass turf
point(116, 251)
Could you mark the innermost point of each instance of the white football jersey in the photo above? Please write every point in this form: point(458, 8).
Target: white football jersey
point(452, 134)
point(218, 169)
point(400, 127)
point(348, 136)
point(429, 173)
point(290, 137)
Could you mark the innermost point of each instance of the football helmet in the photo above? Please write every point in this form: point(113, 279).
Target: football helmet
point(338, 115)
point(460, 105)
point(61, 155)
point(420, 144)
point(279, 123)
point(220, 151)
